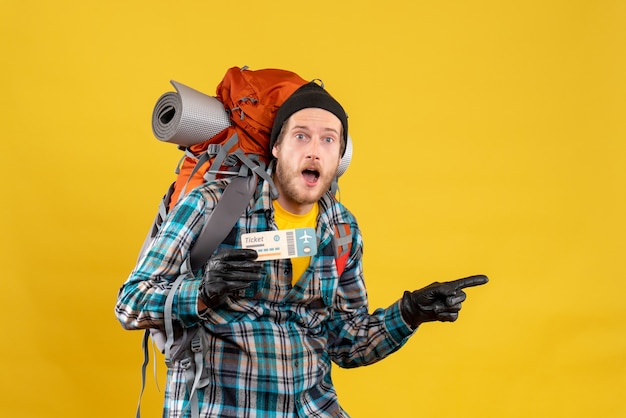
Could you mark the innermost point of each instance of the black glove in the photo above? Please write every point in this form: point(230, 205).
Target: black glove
point(228, 272)
point(437, 301)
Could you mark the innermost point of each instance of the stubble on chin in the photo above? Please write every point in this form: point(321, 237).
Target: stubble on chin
point(287, 184)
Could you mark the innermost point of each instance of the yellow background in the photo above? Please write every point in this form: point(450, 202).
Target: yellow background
point(489, 138)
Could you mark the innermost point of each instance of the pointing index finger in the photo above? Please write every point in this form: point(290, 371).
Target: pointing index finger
point(470, 281)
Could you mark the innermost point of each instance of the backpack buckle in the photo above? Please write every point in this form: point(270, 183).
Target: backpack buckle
point(196, 344)
point(185, 363)
point(213, 149)
point(231, 160)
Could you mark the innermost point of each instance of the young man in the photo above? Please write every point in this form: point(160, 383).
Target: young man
point(273, 327)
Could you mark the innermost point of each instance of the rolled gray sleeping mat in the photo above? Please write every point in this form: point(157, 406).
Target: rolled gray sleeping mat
point(187, 117)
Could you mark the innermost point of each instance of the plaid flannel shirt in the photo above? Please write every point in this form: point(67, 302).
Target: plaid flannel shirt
point(271, 346)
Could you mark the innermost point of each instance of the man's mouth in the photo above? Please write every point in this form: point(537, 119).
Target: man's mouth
point(311, 176)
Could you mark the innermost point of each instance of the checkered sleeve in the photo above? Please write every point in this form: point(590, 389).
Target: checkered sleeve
point(358, 337)
point(142, 297)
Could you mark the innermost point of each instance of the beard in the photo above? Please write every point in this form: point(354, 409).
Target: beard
point(289, 181)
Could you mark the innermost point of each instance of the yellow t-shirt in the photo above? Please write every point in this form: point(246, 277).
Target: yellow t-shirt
point(287, 220)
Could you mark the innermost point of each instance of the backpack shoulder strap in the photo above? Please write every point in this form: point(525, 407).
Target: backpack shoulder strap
point(228, 209)
point(343, 246)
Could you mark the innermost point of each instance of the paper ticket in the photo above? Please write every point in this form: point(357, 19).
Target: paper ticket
point(289, 243)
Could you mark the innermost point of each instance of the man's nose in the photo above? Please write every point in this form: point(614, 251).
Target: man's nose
point(313, 149)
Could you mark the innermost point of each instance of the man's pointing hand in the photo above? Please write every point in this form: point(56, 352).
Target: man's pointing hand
point(437, 301)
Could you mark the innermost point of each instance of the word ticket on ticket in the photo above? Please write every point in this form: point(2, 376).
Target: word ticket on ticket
point(290, 243)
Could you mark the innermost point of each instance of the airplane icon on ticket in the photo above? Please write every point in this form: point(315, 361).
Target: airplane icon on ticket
point(305, 238)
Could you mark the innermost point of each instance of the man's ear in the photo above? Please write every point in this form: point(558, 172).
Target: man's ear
point(275, 151)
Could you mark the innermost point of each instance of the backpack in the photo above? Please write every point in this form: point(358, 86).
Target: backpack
point(226, 136)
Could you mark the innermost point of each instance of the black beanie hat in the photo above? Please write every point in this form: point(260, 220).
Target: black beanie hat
point(308, 96)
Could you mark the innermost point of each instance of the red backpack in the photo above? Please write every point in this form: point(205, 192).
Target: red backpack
point(250, 100)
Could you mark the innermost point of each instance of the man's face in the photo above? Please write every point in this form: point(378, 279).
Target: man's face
point(308, 153)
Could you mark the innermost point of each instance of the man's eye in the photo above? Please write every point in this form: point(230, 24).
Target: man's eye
point(300, 136)
point(329, 139)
